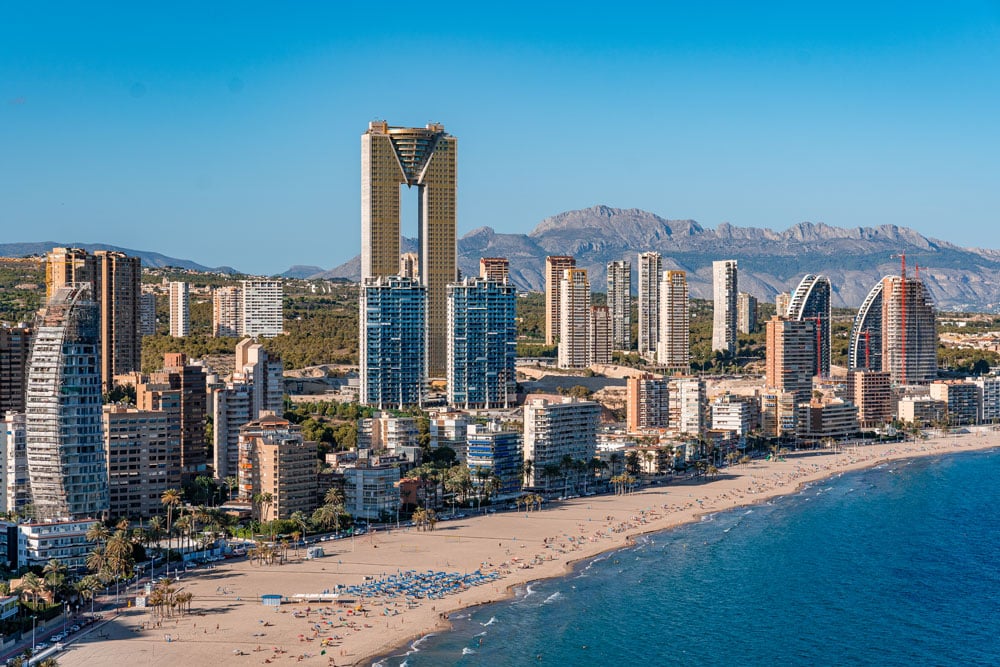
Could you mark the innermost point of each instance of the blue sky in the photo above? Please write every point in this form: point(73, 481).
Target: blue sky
point(228, 133)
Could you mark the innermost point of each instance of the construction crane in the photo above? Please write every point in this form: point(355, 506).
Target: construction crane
point(902, 284)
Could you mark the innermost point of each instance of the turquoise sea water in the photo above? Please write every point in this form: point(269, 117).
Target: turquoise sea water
point(896, 565)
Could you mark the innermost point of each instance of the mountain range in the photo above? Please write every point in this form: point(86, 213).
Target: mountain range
point(769, 261)
point(149, 259)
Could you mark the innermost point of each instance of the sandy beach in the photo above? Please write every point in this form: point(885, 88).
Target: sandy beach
point(228, 624)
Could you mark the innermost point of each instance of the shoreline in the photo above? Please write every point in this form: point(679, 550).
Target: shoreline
point(445, 624)
point(228, 626)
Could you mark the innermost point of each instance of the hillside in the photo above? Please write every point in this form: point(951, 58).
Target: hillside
point(149, 259)
point(770, 261)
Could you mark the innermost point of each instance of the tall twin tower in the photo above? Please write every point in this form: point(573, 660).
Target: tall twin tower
point(425, 158)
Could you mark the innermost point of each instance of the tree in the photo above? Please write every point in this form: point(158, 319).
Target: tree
point(54, 577)
point(170, 499)
point(528, 466)
point(32, 585)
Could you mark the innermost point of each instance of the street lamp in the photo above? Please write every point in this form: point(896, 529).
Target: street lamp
point(33, 633)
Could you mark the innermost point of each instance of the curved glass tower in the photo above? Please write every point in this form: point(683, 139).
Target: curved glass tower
point(864, 351)
point(811, 301)
point(65, 445)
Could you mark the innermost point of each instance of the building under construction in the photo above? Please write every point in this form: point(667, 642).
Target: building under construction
point(65, 447)
point(812, 301)
point(895, 331)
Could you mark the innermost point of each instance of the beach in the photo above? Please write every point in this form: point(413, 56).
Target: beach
point(228, 623)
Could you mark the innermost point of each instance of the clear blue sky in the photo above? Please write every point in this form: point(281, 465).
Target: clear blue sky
point(228, 133)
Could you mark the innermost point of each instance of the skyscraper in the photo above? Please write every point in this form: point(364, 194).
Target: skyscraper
point(895, 331)
point(781, 303)
point(65, 266)
point(620, 303)
point(114, 280)
point(119, 289)
point(260, 308)
point(409, 265)
point(147, 314)
point(812, 301)
point(673, 351)
point(864, 348)
point(909, 333)
point(393, 350)
point(482, 343)
point(746, 313)
point(494, 268)
point(599, 346)
point(791, 356)
point(724, 289)
point(180, 310)
point(263, 370)
point(275, 458)
point(143, 455)
point(555, 266)
point(15, 350)
point(647, 404)
point(65, 447)
point(178, 375)
point(227, 313)
point(650, 268)
point(574, 319)
point(425, 158)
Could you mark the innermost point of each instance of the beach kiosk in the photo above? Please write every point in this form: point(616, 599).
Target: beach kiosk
point(272, 601)
point(314, 552)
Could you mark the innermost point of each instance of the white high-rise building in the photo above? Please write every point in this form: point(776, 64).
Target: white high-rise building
point(260, 308)
point(554, 430)
point(620, 304)
point(574, 319)
point(227, 313)
point(724, 289)
point(13, 455)
point(65, 443)
point(650, 268)
point(673, 351)
point(687, 405)
point(147, 314)
point(180, 310)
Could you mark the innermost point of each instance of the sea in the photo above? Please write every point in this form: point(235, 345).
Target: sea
point(893, 565)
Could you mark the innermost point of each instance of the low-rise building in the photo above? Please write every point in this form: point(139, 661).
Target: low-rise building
point(920, 410)
point(732, 413)
point(961, 398)
point(835, 419)
point(989, 393)
point(40, 542)
point(496, 452)
point(371, 493)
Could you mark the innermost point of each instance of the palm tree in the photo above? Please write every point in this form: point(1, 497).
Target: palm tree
point(334, 496)
point(54, 577)
point(231, 485)
point(33, 585)
point(566, 465)
point(170, 499)
point(528, 466)
point(120, 561)
point(87, 588)
point(614, 459)
point(98, 533)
